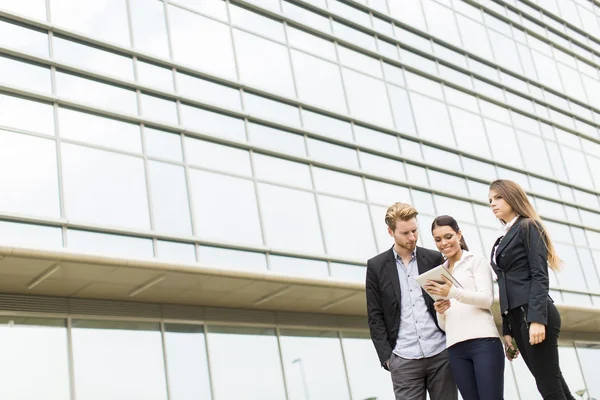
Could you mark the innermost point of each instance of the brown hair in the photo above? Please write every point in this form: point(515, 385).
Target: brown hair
point(516, 197)
point(399, 212)
point(446, 220)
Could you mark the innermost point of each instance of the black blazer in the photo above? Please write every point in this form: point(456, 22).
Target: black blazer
point(383, 297)
point(522, 270)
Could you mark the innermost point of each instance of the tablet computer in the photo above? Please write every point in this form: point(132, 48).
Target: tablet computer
point(435, 274)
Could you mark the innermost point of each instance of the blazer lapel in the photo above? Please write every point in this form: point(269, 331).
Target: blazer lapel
point(508, 237)
point(422, 262)
point(393, 273)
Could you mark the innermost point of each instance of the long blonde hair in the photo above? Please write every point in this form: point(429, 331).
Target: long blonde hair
point(516, 197)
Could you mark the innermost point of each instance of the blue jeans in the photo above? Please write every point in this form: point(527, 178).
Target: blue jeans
point(478, 368)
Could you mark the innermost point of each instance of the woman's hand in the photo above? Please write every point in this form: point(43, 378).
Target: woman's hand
point(537, 333)
point(441, 306)
point(442, 290)
point(509, 349)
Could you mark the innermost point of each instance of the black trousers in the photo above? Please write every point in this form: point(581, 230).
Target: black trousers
point(478, 368)
point(542, 358)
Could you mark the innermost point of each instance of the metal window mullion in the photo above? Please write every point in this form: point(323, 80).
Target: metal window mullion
point(233, 46)
point(168, 29)
point(345, 361)
point(71, 358)
point(129, 23)
point(281, 360)
point(165, 362)
point(289, 51)
point(208, 362)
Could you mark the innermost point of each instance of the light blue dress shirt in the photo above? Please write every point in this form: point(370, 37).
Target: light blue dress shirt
point(418, 336)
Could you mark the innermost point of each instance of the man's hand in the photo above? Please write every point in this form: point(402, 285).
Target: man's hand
point(442, 290)
point(510, 350)
point(441, 306)
point(537, 333)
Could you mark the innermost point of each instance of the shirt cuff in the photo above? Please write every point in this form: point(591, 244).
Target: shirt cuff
point(454, 292)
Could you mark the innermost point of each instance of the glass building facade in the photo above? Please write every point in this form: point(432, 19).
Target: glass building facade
point(267, 138)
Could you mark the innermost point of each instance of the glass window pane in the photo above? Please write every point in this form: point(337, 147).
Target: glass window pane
point(158, 109)
point(187, 360)
point(271, 71)
point(448, 183)
point(96, 94)
point(298, 266)
point(104, 188)
point(36, 349)
point(367, 98)
point(25, 75)
point(503, 143)
point(32, 183)
point(211, 52)
point(272, 110)
point(377, 140)
point(170, 208)
point(571, 277)
point(208, 92)
point(432, 119)
point(282, 171)
point(155, 76)
point(417, 175)
point(314, 365)
point(105, 353)
point(284, 208)
point(92, 58)
point(393, 74)
point(306, 17)
point(257, 23)
point(470, 132)
point(354, 36)
point(111, 245)
point(319, 82)
point(588, 358)
point(360, 62)
point(327, 126)
point(423, 85)
point(15, 113)
point(577, 168)
point(275, 139)
point(29, 8)
point(21, 38)
point(479, 169)
point(382, 237)
point(257, 344)
point(212, 208)
point(216, 257)
point(149, 27)
point(163, 144)
point(332, 154)
point(403, 116)
point(409, 12)
point(336, 183)
point(458, 209)
point(213, 8)
point(349, 238)
point(173, 251)
point(347, 272)
point(29, 235)
point(100, 131)
point(441, 158)
point(381, 166)
point(218, 157)
point(211, 123)
point(535, 161)
point(92, 19)
point(310, 43)
point(386, 194)
point(474, 37)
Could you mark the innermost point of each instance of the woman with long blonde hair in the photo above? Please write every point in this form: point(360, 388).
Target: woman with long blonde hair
point(521, 258)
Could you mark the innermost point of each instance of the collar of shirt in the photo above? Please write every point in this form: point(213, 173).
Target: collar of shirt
point(465, 256)
point(397, 256)
point(510, 224)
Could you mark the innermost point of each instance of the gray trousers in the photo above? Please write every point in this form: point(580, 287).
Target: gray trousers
point(412, 378)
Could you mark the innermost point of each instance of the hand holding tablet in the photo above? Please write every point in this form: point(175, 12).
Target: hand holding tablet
point(437, 282)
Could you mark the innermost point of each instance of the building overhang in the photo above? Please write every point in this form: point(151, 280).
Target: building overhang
point(75, 275)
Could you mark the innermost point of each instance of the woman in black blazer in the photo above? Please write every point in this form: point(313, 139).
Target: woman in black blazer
point(520, 259)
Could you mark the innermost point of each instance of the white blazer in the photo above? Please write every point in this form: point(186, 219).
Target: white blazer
point(469, 315)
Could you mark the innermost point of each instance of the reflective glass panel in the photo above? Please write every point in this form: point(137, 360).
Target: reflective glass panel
point(216, 257)
point(93, 18)
point(149, 27)
point(212, 208)
point(112, 245)
point(441, 22)
point(354, 36)
point(409, 12)
point(276, 139)
point(386, 194)
point(535, 161)
point(36, 349)
point(29, 235)
point(163, 144)
point(377, 140)
point(105, 354)
point(470, 132)
point(306, 17)
point(503, 143)
point(290, 219)
point(211, 123)
point(32, 183)
point(382, 166)
point(336, 183)
point(474, 37)
point(158, 109)
point(216, 156)
point(209, 92)
point(367, 98)
point(319, 82)
point(348, 272)
point(19, 37)
point(104, 188)
point(257, 344)
point(96, 94)
point(213, 8)
point(100, 131)
point(349, 238)
point(212, 51)
point(177, 252)
point(298, 266)
point(310, 43)
point(170, 207)
point(257, 23)
point(271, 109)
point(588, 358)
point(432, 119)
point(25, 75)
point(187, 360)
point(155, 76)
point(92, 58)
point(313, 364)
point(332, 154)
point(282, 171)
point(403, 117)
point(327, 126)
point(271, 71)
